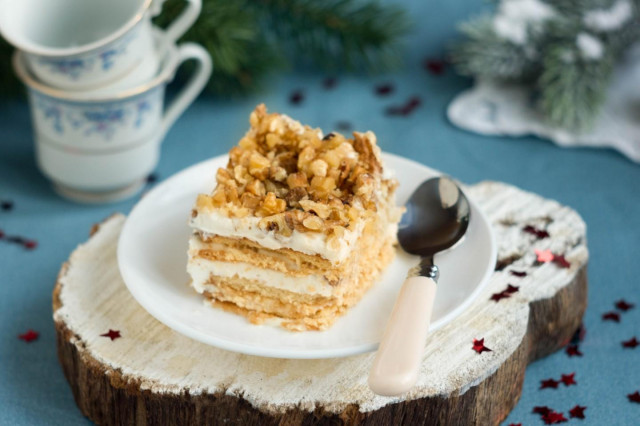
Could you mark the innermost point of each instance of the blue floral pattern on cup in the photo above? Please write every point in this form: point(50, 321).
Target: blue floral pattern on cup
point(103, 120)
point(75, 68)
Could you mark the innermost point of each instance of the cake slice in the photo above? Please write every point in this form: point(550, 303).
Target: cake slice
point(298, 228)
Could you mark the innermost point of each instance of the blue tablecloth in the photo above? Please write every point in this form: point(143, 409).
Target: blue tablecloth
point(600, 184)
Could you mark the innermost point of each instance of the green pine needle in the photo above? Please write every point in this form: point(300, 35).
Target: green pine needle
point(572, 89)
point(484, 54)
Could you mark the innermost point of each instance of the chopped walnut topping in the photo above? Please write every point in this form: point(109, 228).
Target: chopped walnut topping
point(295, 179)
point(313, 222)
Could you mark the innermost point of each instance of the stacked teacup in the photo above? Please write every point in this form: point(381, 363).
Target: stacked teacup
point(96, 73)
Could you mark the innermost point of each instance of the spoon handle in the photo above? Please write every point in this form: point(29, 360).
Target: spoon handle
point(395, 368)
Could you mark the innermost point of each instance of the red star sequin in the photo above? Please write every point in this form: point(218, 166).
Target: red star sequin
point(553, 417)
point(112, 334)
point(518, 274)
point(559, 260)
point(296, 97)
point(568, 379)
point(611, 316)
point(544, 256)
point(549, 383)
point(29, 336)
point(634, 397)
point(542, 410)
point(511, 289)
point(30, 244)
point(479, 347)
point(539, 233)
point(405, 109)
point(631, 343)
point(384, 89)
point(577, 412)
point(623, 305)
point(573, 350)
point(496, 297)
point(434, 66)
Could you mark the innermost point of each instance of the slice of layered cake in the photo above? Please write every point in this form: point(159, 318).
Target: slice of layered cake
point(299, 226)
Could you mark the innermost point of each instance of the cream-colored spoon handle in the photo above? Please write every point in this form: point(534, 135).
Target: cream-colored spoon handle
point(395, 368)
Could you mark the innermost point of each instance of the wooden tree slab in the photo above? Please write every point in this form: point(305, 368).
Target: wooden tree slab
point(153, 375)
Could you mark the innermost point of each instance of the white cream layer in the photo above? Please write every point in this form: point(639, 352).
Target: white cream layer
point(305, 242)
point(201, 270)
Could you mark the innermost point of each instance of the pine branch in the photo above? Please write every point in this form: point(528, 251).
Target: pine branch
point(228, 30)
point(572, 89)
point(484, 54)
point(336, 34)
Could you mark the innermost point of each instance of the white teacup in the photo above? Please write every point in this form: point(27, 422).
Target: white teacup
point(100, 147)
point(84, 44)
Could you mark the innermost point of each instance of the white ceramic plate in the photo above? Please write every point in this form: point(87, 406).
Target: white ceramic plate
point(152, 255)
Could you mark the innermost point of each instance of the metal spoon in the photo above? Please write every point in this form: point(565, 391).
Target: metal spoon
point(437, 218)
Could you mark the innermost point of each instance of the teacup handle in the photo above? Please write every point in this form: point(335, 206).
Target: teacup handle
point(183, 22)
point(192, 87)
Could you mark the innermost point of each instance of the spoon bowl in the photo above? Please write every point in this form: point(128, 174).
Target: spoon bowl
point(437, 217)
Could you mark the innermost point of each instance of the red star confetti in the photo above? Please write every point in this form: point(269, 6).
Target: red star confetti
point(539, 233)
point(573, 350)
point(434, 66)
point(553, 417)
point(384, 89)
point(496, 297)
point(479, 347)
point(30, 244)
point(296, 97)
point(559, 260)
point(542, 410)
point(512, 289)
point(29, 336)
point(577, 412)
point(634, 397)
point(544, 256)
point(568, 379)
point(624, 305)
point(549, 383)
point(518, 274)
point(631, 343)
point(329, 83)
point(611, 316)
point(515, 424)
point(406, 108)
point(112, 334)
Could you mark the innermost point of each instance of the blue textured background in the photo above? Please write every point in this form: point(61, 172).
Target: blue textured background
point(600, 184)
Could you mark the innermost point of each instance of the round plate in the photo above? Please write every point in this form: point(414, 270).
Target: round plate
point(152, 256)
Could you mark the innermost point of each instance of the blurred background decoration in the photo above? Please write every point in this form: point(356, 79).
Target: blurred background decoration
point(249, 38)
point(564, 51)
